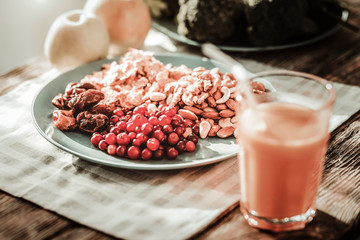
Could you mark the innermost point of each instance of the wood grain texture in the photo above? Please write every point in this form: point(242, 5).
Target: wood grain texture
point(234, 226)
point(336, 58)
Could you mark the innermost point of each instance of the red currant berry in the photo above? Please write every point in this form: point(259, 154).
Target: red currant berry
point(110, 138)
point(193, 138)
point(190, 146)
point(153, 144)
point(139, 110)
point(157, 127)
point(136, 142)
point(180, 146)
point(164, 120)
point(121, 150)
point(133, 152)
point(153, 120)
point(130, 127)
point(172, 153)
point(178, 117)
point(162, 106)
point(159, 154)
point(146, 154)
point(115, 130)
point(138, 119)
point(138, 129)
point(111, 149)
point(121, 125)
point(175, 122)
point(114, 119)
point(173, 138)
point(118, 112)
point(179, 130)
point(196, 129)
point(103, 145)
point(132, 135)
point(158, 114)
point(147, 128)
point(188, 123)
point(170, 111)
point(95, 139)
point(125, 118)
point(167, 129)
point(142, 137)
point(159, 135)
point(123, 138)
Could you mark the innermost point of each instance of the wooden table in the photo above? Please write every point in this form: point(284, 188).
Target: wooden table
point(337, 59)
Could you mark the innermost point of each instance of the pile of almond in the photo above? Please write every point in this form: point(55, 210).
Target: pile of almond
point(216, 118)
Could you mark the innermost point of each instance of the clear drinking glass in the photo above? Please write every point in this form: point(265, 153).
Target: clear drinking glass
point(283, 141)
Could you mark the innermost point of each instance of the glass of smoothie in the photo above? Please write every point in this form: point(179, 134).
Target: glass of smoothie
point(283, 140)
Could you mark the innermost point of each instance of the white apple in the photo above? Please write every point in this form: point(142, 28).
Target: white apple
point(76, 37)
point(127, 21)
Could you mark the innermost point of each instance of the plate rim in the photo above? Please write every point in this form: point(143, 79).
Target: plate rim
point(156, 24)
point(129, 164)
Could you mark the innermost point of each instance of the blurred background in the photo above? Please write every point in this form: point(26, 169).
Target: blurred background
point(23, 28)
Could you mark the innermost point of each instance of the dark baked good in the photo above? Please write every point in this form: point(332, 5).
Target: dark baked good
point(271, 22)
point(208, 20)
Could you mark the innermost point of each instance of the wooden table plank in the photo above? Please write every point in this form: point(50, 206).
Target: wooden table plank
point(21, 219)
point(24, 220)
point(234, 226)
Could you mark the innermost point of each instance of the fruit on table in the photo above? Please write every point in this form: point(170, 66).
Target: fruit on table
point(76, 37)
point(127, 21)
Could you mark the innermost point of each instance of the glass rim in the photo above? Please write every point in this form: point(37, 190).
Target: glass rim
point(325, 83)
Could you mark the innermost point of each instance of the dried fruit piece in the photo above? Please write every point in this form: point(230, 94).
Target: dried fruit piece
point(64, 120)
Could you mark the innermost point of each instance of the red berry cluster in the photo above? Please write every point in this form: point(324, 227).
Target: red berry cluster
point(138, 134)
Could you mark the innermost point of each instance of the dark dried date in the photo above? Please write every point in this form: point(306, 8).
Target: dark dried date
point(85, 100)
point(91, 123)
point(72, 89)
point(100, 108)
point(60, 101)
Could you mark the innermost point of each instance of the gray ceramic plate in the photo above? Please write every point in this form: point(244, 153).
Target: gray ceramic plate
point(208, 151)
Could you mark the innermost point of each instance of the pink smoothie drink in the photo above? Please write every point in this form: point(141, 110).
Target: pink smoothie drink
point(282, 148)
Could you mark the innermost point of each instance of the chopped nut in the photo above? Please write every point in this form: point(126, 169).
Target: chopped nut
point(225, 132)
point(227, 113)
